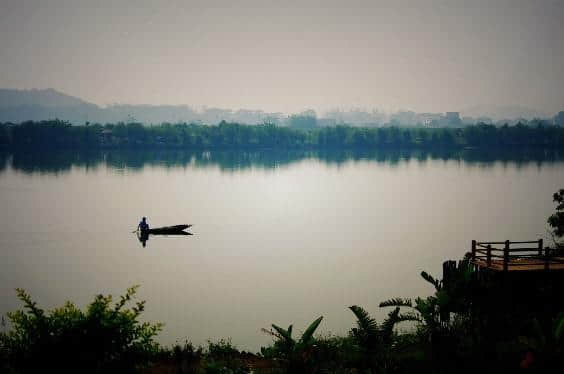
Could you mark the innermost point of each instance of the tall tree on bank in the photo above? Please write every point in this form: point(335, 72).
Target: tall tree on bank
point(556, 220)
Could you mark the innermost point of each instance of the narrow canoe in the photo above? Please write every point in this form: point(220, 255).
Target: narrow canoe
point(168, 230)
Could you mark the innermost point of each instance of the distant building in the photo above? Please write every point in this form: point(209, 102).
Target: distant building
point(327, 122)
point(404, 118)
point(304, 120)
point(453, 119)
point(559, 118)
point(429, 119)
point(486, 120)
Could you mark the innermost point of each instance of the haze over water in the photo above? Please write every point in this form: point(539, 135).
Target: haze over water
point(278, 238)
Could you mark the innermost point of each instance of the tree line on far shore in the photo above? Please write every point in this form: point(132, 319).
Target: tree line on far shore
point(57, 134)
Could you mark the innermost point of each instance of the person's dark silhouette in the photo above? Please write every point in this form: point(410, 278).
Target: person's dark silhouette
point(143, 231)
point(143, 225)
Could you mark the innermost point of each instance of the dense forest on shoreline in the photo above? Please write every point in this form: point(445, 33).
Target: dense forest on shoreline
point(56, 134)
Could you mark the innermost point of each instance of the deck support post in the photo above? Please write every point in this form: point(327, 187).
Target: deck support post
point(473, 250)
point(506, 256)
point(489, 259)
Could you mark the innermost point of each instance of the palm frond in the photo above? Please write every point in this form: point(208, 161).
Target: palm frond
point(409, 317)
point(287, 335)
point(389, 323)
point(426, 307)
point(366, 324)
point(429, 278)
point(271, 333)
point(398, 301)
point(308, 333)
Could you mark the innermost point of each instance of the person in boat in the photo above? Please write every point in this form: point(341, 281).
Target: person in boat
point(143, 225)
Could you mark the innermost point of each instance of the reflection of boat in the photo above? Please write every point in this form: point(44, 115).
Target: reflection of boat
point(145, 234)
point(167, 230)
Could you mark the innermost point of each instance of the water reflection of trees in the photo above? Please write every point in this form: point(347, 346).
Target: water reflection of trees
point(55, 162)
point(231, 161)
point(3, 160)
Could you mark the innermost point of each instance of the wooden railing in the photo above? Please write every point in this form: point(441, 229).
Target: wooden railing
point(522, 254)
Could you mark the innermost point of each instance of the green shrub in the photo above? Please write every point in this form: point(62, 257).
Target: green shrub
point(222, 348)
point(223, 357)
point(103, 338)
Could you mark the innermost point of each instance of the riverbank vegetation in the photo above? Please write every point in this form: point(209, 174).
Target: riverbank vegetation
point(55, 134)
point(105, 337)
point(474, 320)
point(454, 331)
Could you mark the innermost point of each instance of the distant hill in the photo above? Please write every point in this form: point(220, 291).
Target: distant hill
point(22, 105)
point(46, 98)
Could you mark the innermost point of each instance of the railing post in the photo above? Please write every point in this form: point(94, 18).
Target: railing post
point(546, 258)
point(540, 247)
point(506, 256)
point(489, 260)
point(473, 250)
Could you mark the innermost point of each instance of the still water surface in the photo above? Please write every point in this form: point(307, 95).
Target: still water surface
point(278, 237)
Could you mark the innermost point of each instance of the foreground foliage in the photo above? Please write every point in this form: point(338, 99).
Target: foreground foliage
point(451, 334)
point(556, 220)
point(105, 337)
point(298, 355)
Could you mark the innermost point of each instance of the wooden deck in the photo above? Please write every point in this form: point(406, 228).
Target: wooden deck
point(516, 256)
point(517, 265)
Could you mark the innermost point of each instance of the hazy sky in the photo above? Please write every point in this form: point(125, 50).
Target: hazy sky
point(289, 55)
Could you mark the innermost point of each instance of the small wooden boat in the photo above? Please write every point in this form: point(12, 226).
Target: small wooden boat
point(167, 230)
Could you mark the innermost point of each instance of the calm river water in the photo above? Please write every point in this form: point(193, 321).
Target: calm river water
point(279, 237)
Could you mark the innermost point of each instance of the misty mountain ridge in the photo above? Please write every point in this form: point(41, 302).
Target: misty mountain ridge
point(40, 104)
point(38, 97)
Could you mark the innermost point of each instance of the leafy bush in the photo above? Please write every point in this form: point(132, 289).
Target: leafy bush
point(377, 342)
point(336, 353)
point(299, 356)
point(103, 338)
point(223, 357)
point(222, 348)
point(556, 220)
